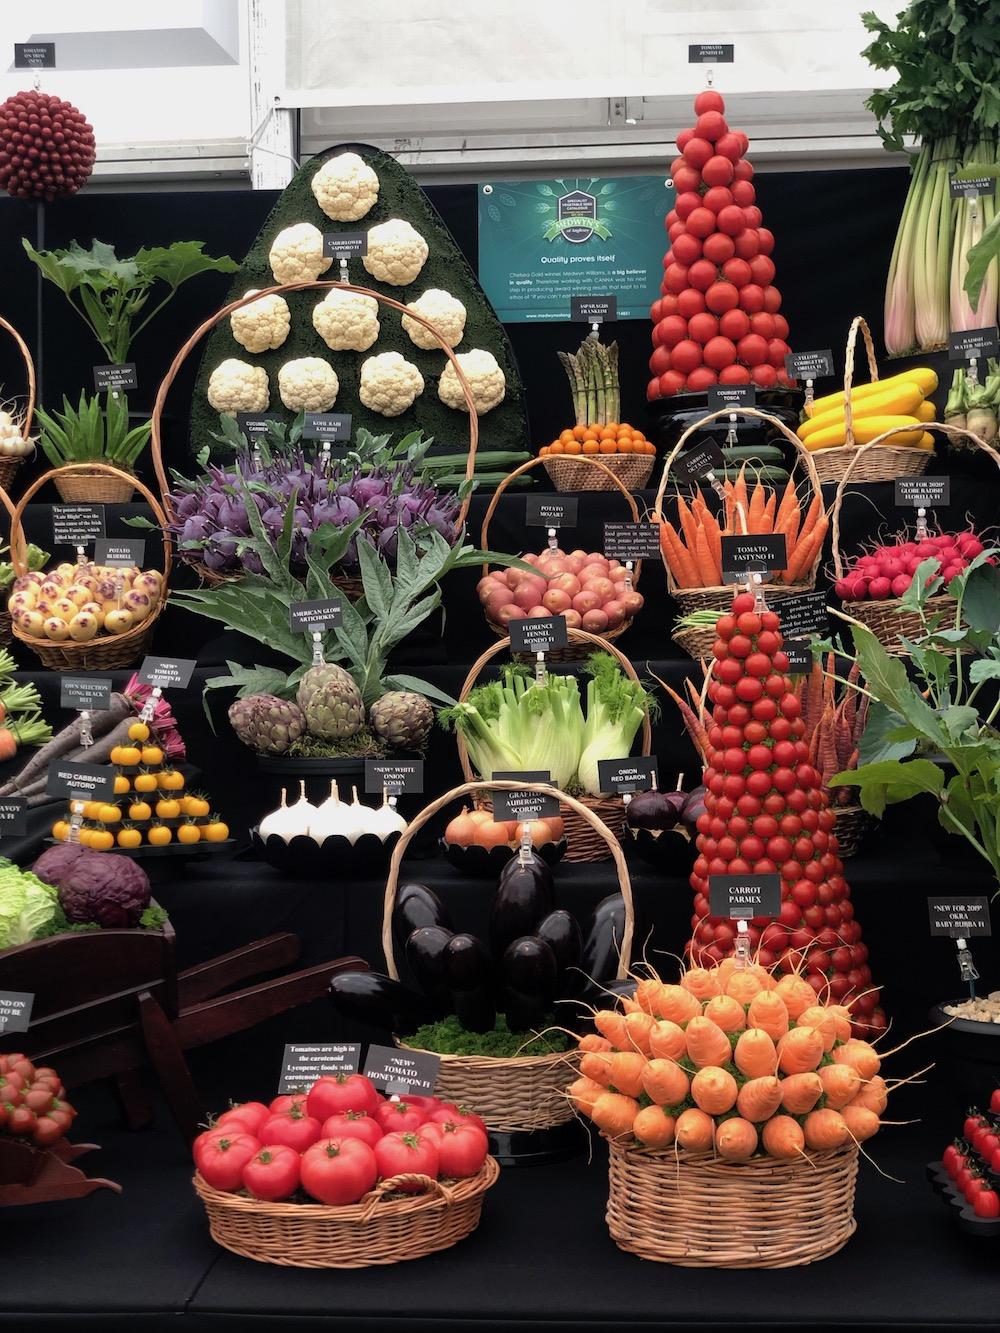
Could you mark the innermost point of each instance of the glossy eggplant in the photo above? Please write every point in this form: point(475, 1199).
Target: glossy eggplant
point(528, 972)
point(562, 934)
point(370, 997)
point(416, 906)
point(602, 942)
point(470, 981)
point(524, 897)
point(425, 955)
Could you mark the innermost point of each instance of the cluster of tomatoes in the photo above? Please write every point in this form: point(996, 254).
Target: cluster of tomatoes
point(334, 1143)
point(888, 570)
point(717, 319)
point(974, 1161)
point(33, 1106)
point(766, 812)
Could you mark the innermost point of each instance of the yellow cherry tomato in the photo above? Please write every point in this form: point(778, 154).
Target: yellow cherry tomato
point(60, 830)
point(86, 836)
point(138, 731)
point(168, 809)
point(140, 810)
point(116, 754)
point(122, 785)
point(196, 807)
point(101, 839)
point(189, 833)
point(128, 755)
point(90, 809)
point(145, 782)
point(171, 779)
point(109, 814)
point(152, 755)
point(216, 831)
point(129, 837)
point(159, 835)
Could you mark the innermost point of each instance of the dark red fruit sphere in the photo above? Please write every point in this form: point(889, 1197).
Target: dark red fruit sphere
point(47, 146)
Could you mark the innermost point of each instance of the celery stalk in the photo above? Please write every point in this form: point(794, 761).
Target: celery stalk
point(899, 303)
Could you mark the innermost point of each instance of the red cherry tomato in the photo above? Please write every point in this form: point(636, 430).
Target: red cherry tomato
point(987, 1203)
point(273, 1174)
point(338, 1171)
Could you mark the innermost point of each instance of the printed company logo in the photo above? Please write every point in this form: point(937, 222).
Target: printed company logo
point(577, 220)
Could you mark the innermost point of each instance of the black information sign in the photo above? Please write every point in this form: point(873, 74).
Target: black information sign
point(92, 693)
point(744, 896)
point(524, 804)
point(622, 775)
point(711, 53)
point(120, 552)
point(13, 816)
point(301, 1066)
point(319, 615)
point(394, 776)
point(809, 365)
point(77, 525)
point(80, 782)
point(733, 396)
point(397, 1071)
point(538, 634)
point(959, 917)
point(593, 309)
point(971, 187)
point(332, 426)
point(803, 615)
point(112, 379)
point(799, 654)
point(631, 541)
point(169, 673)
point(922, 492)
point(761, 553)
point(34, 55)
point(345, 244)
point(15, 1010)
point(550, 511)
point(697, 461)
point(256, 423)
point(969, 343)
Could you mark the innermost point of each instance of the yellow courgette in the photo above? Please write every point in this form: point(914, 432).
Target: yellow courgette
point(902, 399)
point(922, 375)
point(866, 429)
point(926, 411)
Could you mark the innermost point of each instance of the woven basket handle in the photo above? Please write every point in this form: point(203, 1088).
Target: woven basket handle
point(416, 1184)
point(575, 635)
point(83, 469)
point(858, 323)
point(429, 811)
point(29, 366)
point(19, 561)
point(484, 533)
point(210, 323)
point(955, 432)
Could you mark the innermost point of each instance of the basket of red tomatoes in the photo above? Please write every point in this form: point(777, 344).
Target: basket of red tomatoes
point(343, 1177)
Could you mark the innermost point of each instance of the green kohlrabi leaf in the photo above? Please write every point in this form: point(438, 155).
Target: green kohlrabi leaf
point(885, 736)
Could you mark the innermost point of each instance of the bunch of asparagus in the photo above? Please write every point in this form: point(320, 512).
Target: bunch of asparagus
point(593, 380)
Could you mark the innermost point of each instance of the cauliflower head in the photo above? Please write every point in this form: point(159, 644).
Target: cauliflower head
point(308, 384)
point(486, 380)
point(444, 311)
point(296, 254)
point(237, 386)
point(263, 324)
point(396, 252)
point(345, 187)
point(346, 321)
point(389, 383)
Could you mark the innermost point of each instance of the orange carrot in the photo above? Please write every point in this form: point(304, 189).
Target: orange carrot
point(767, 1010)
point(597, 1067)
point(727, 1012)
point(842, 1018)
point(583, 1092)
point(647, 992)
point(628, 1005)
point(825, 1130)
point(638, 1026)
point(756, 514)
point(611, 1024)
point(736, 1140)
point(714, 1090)
point(797, 994)
point(755, 1054)
point(812, 514)
point(711, 577)
point(800, 1092)
point(614, 1114)
point(789, 505)
point(730, 508)
point(818, 1016)
point(841, 1084)
point(625, 1071)
point(677, 1004)
point(874, 1095)
point(741, 504)
point(665, 1082)
point(666, 1040)
point(769, 509)
point(783, 1138)
point(694, 1130)
point(860, 1055)
point(592, 1042)
point(861, 1123)
point(805, 552)
point(653, 1127)
point(688, 525)
point(759, 1098)
point(791, 531)
point(678, 558)
point(711, 525)
point(707, 1044)
point(702, 982)
point(743, 985)
point(800, 1051)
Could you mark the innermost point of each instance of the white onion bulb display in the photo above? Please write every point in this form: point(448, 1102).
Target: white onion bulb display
point(334, 818)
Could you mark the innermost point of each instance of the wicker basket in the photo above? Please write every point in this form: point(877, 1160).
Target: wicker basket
point(719, 598)
point(889, 620)
point(696, 642)
point(377, 1230)
point(105, 653)
point(9, 466)
point(573, 474)
point(853, 823)
point(584, 841)
point(610, 482)
point(698, 1211)
point(512, 1094)
point(85, 484)
point(8, 471)
point(348, 582)
point(886, 462)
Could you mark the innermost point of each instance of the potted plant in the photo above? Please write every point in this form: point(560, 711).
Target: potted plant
point(94, 431)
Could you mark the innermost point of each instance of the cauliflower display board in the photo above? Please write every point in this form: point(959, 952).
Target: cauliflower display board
point(348, 334)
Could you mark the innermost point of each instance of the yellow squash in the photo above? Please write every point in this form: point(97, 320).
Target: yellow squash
point(902, 400)
point(867, 429)
point(922, 375)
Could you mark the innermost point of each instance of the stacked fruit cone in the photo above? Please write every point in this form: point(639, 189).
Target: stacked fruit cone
point(768, 812)
point(597, 439)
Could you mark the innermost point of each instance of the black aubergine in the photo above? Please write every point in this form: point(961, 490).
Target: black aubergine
point(425, 955)
point(562, 934)
point(416, 906)
point(370, 997)
point(524, 896)
point(528, 973)
point(470, 981)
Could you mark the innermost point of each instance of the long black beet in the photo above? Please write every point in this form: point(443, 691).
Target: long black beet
point(370, 997)
point(529, 972)
point(602, 943)
point(425, 954)
point(416, 906)
point(470, 980)
point(524, 896)
point(562, 934)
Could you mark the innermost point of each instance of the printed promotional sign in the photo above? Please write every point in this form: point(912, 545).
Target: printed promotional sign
point(631, 541)
point(399, 1072)
point(544, 243)
point(15, 1010)
point(394, 776)
point(803, 616)
point(799, 654)
point(113, 379)
point(77, 525)
point(744, 896)
point(922, 492)
point(303, 1065)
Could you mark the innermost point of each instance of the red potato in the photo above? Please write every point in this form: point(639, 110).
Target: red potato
point(556, 601)
point(586, 601)
point(595, 622)
point(601, 586)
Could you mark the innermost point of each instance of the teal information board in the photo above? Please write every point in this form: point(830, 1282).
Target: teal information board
point(543, 242)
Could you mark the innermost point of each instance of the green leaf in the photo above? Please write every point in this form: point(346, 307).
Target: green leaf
point(403, 682)
point(979, 258)
point(890, 781)
point(981, 600)
point(884, 737)
point(984, 669)
point(177, 263)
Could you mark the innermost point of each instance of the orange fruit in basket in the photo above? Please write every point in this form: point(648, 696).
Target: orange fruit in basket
point(650, 449)
point(578, 433)
point(574, 447)
point(609, 433)
point(557, 447)
point(638, 435)
point(565, 435)
point(591, 447)
point(625, 427)
point(608, 447)
point(624, 444)
point(543, 452)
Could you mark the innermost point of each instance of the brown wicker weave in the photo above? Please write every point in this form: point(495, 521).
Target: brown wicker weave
point(517, 1093)
point(9, 466)
point(106, 652)
point(568, 474)
point(350, 585)
point(81, 483)
point(584, 842)
point(698, 1211)
point(377, 1230)
point(852, 824)
point(8, 471)
point(696, 642)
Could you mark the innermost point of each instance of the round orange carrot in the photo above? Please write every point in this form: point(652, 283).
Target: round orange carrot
point(653, 1127)
point(736, 1139)
point(596, 1065)
point(767, 1011)
point(744, 985)
point(796, 993)
point(800, 1050)
point(860, 1055)
point(583, 1092)
point(714, 1090)
point(759, 1098)
point(800, 1092)
point(666, 1040)
point(861, 1123)
point(702, 982)
point(706, 1042)
point(825, 1130)
point(783, 1138)
point(638, 1026)
point(728, 1013)
point(625, 1071)
point(611, 1024)
point(592, 1042)
point(694, 1130)
point(841, 1084)
point(755, 1054)
point(665, 1082)
point(818, 1016)
point(614, 1114)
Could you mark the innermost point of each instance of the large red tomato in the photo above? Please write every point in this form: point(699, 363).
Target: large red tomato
point(294, 1128)
point(338, 1171)
point(221, 1155)
point(407, 1154)
point(352, 1125)
point(399, 1117)
point(273, 1174)
point(333, 1094)
point(462, 1150)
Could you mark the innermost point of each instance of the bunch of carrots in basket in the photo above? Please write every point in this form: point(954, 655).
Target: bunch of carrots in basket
point(834, 726)
point(694, 554)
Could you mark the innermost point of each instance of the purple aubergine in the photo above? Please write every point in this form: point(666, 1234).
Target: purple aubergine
point(470, 981)
point(524, 896)
point(694, 806)
point(417, 905)
point(602, 941)
point(561, 933)
point(528, 973)
point(425, 955)
point(380, 1002)
point(653, 810)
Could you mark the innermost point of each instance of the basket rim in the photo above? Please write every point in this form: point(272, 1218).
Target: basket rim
point(493, 1061)
point(711, 1161)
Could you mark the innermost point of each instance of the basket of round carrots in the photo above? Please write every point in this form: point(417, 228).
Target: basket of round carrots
point(734, 1104)
point(692, 549)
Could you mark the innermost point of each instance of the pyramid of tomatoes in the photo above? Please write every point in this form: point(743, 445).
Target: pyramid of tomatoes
point(718, 319)
point(767, 812)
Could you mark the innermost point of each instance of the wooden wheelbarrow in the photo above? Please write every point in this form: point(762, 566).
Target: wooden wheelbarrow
point(110, 1002)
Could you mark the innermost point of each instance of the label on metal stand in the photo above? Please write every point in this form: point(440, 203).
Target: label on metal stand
point(394, 776)
point(538, 634)
point(617, 776)
point(522, 805)
point(120, 552)
point(113, 379)
point(301, 1066)
point(398, 1072)
point(550, 511)
point(959, 917)
point(593, 309)
point(744, 896)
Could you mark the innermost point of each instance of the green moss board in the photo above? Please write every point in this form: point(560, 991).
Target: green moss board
point(505, 427)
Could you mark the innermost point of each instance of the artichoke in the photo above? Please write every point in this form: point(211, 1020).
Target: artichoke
point(266, 723)
point(331, 703)
point(402, 719)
